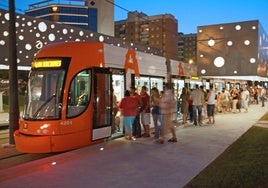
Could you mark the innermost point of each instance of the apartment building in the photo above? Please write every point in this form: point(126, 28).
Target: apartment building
point(159, 31)
point(187, 48)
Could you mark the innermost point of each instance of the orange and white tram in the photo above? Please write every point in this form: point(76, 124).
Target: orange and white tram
point(69, 94)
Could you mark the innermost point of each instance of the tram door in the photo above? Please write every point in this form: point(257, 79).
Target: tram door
point(102, 114)
point(118, 85)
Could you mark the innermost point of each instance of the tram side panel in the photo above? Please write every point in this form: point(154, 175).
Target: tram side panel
point(147, 64)
point(152, 65)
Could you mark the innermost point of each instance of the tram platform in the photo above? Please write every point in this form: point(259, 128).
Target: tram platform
point(4, 120)
point(142, 163)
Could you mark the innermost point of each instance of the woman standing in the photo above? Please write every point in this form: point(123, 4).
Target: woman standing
point(184, 104)
point(129, 108)
point(234, 95)
point(155, 100)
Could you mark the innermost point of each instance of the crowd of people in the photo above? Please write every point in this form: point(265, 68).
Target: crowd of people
point(237, 100)
point(199, 104)
point(137, 109)
point(196, 106)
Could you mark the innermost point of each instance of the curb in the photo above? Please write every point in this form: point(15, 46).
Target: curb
point(262, 123)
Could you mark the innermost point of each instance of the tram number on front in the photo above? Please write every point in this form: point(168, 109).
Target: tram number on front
point(66, 122)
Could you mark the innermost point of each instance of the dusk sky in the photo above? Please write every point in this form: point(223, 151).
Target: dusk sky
point(190, 13)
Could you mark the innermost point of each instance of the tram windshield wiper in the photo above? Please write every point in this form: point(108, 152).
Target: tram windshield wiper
point(43, 105)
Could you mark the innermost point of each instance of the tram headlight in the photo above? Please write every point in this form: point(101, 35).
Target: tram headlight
point(44, 126)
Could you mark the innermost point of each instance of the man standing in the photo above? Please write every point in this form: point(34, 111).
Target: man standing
point(167, 106)
point(145, 111)
point(198, 100)
point(211, 105)
point(136, 124)
point(225, 100)
point(245, 98)
point(263, 95)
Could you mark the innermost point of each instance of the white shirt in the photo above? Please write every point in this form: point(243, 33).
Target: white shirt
point(263, 92)
point(245, 95)
point(211, 97)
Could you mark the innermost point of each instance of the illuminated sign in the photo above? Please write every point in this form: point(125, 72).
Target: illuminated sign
point(195, 78)
point(46, 63)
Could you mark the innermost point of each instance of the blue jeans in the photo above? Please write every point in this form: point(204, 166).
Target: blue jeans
point(262, 100)
point(197, 108)
point(128, 122)
point(157, 125)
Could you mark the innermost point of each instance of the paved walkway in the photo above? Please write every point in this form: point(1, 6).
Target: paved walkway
point(142, 163)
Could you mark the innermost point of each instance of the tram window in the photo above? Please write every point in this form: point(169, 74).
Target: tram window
point(79, 93)
point(44, 94)
point(149, 82)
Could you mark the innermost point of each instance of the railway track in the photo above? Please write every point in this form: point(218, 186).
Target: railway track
point(10, 157)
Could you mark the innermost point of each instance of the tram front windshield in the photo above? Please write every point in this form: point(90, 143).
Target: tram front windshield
point(44, 94)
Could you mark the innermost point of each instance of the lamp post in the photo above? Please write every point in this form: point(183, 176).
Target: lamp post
point(13, 80)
